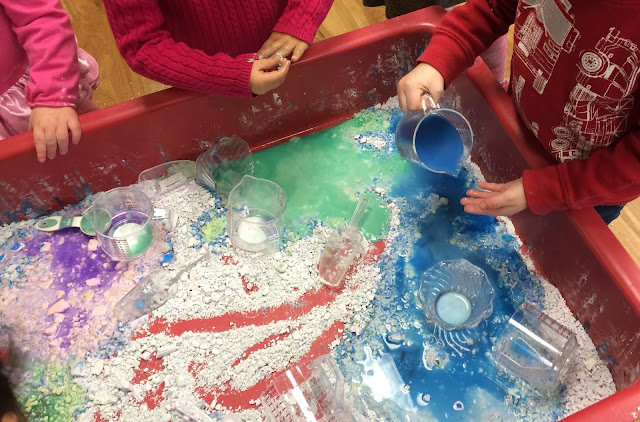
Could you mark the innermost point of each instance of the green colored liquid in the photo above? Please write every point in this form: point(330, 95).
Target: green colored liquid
point(324, 173)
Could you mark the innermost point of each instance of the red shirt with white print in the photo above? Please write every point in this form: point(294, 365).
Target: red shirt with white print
point(574, 79)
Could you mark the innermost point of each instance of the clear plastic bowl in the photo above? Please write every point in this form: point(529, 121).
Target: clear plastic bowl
point(453, 289)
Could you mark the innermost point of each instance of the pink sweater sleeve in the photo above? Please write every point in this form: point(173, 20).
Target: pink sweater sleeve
point(465, 33)
point(610, 176)
point(45, 33)
point(149, 49)
point(301, 18)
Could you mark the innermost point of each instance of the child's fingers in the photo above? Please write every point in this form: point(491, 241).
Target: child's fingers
point(277, 78)
point(475, 209)
point(299, 49)
point(51, 143)
point(76, 131)
point(62, 136)
point(402, 101)
point(473, 193)
point(495, 202)
point(413, 99)
point(494, 187)
point(269, 48)
point(268, 64)
point(286, 49)
point(41, 146)
point(283, 71)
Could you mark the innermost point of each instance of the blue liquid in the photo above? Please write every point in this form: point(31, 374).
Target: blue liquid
point(444, 366)
point(438, 144)
point(398, 355)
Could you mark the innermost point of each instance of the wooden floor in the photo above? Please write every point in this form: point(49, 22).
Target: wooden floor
point(118, 83)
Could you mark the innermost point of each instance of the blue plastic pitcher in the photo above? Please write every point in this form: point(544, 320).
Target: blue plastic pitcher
point(437, 139)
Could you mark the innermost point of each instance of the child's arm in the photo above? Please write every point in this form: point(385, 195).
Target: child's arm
point(465, 33)
point(296, 28)
point(45, 33)
point(610, 176)
point(149, 49)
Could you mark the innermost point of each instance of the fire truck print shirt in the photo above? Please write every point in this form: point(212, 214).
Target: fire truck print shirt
point(574, 79)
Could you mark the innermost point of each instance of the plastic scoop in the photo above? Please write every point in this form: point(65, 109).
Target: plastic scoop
point(151, 293)
point(344, 246)
point(52, 224)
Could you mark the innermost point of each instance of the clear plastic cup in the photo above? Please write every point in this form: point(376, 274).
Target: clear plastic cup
point(456, 294)
point(535, 348)
point(437, 139)
point(121, 219)
point(255, 215)
point(307, 393)
point(224, 165)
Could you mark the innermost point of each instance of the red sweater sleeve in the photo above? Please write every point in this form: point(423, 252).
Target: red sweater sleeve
point(149, 49)
point(45, 33)
point(610, 176)
point(465, 33)
point(301, 18)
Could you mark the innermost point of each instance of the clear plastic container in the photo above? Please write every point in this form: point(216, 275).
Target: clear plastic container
point(456, 294)
point(307, 393)
point(165, 177)
point(122, 219)
point(148, 295)
point(224, 165)
point(437, 139)
point(535, 348)
point(256, 215)
point(345, 245)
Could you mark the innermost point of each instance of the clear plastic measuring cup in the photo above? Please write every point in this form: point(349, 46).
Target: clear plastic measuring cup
point(343, 247)
point(255, 215)
point(535, 348)
point(456, 294)
point(223, 166)
point(121, 219)
point(437, 139)
point(307, 393)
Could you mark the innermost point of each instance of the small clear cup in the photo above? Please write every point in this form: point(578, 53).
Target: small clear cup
point(224, 165)
point(307, 393)
point(256, 215)
point(535, 348)
point(122, 219)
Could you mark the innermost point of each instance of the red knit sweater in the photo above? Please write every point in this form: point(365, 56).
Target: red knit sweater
point(206, 45)
point(574, 79)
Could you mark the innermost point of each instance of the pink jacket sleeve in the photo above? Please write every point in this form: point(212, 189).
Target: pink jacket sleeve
point(149, 49)
point(610, 176)
point(465, 33)
point(45, 33)
point(302, 18)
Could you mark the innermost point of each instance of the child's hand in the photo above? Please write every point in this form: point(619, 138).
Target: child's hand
point(51, 126)
point(496, 199)
point(265, 77)
point(9, 417)
point(424, 78)
point(283, 44)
